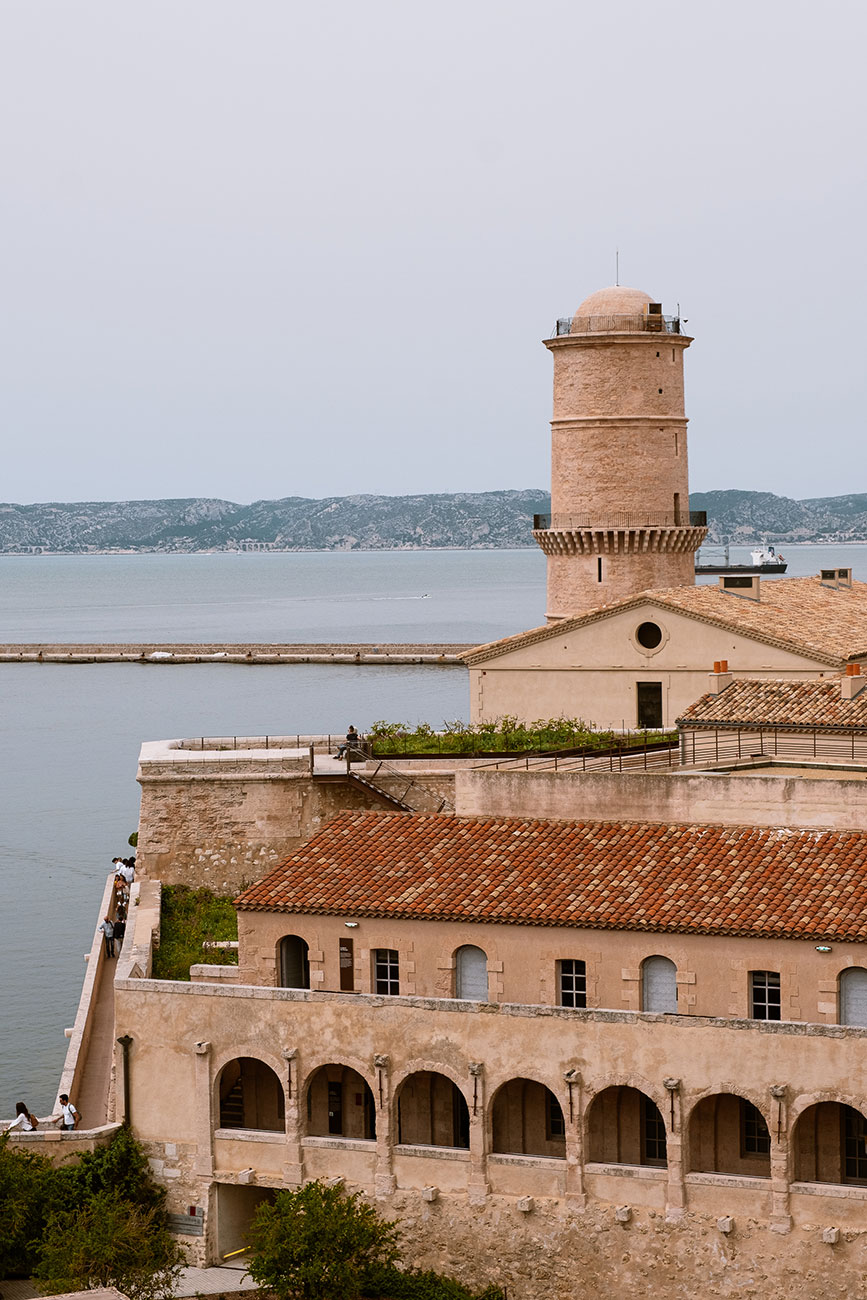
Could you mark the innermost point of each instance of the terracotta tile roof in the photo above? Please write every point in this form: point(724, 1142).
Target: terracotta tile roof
point(598, 875)
point(752, 702)
point(800, 614)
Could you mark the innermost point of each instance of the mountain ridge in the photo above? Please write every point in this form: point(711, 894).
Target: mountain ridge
point(369, 521)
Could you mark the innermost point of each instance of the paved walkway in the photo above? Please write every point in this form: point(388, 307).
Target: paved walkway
point(92, 1099)
point(192, 1282)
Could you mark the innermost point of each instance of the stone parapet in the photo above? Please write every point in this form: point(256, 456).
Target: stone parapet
point(602, 540)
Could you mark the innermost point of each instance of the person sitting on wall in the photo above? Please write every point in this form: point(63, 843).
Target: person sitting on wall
point(351, 742)
point(23, 1120)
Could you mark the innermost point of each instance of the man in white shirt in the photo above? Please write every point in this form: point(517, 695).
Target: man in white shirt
point(69, 1116)
point(127, 870)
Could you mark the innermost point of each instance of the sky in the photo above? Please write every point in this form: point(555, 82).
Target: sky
point(257, 248)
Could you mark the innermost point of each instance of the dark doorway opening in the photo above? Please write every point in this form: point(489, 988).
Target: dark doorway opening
point(649, 704)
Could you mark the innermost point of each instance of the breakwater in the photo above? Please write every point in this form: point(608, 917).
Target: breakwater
point(383, 654)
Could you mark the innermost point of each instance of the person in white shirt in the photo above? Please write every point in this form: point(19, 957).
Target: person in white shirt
point(23, 1119)
point(127, 870)
point(107, 928)
point(69, 1116)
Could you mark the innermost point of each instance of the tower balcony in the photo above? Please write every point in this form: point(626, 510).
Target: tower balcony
point(645, 323)
point(620, 535)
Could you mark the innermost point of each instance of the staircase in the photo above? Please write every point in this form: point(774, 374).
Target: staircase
point(414, 796)
point(232, 1107)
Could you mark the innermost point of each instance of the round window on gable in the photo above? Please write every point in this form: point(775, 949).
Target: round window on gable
point(649, 635)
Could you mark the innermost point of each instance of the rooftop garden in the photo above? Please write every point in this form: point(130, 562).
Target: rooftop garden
point(506, 735)
point(190, 918)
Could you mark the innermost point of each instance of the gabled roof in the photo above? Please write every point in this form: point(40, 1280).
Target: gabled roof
point(751, 702)
point(599, 875)
point(801, 615)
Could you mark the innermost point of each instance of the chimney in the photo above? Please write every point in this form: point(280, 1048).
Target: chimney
point(720, 679)
point(835, 578)
point(747, 588)
point(853, 682)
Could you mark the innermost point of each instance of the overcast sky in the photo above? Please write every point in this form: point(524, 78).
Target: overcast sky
point(259, 248)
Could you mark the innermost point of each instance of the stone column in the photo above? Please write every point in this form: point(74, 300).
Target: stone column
point(384, 1180)
point(293, 1170)
point(575, 1195)
point(203, 1165)
point(478, 1186)
point(675, 1195)
point(781, 1218)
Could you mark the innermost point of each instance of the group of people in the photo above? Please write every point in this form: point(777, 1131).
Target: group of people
point(113, 928)
point(26, 1122)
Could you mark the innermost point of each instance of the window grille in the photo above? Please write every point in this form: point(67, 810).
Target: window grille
point(756, 1138)
point(573, 983)
point(386, 973)
point(765, 995)
point(855, 1146)
point(555, 1124)
point(652, 1134)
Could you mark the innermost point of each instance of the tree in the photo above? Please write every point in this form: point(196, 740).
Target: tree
point(109, 1241)
point(318, 1244)
point(26, 1198)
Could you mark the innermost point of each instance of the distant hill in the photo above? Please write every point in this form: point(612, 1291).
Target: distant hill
point(477, 520)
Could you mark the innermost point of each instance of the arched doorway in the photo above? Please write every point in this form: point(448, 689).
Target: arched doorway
point(250, 1096)
point(853, 996)
point(340, 1104)
point(471, 973)
point(294, 962)
point(432, 1111)
point(625, 1127)
point(830, 1145)
point(659, 985)
point(527, 1119)
point(729, 1135)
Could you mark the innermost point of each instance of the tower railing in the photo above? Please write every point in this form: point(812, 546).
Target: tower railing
point(652, 323)
point(623, 519)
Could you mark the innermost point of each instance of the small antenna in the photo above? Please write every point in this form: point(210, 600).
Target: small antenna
point(617, 266)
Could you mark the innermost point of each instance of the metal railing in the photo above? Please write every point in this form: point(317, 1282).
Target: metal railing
point(651, 323)
point(623, 519)
point(414, 793)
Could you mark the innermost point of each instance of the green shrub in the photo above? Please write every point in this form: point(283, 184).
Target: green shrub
point(27, 1197)
point(189, 918)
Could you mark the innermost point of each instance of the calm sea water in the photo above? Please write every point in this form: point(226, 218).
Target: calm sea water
point(71, 735)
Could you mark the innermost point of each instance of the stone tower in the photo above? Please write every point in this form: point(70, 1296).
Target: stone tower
point(620, 519)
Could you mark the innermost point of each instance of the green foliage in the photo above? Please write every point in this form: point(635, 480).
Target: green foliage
point(27, 1196)
point(506, 734)
point(98, 1221)
point(190, 917)
point(133, 840)
point(109, 1241)
point(318, 1244)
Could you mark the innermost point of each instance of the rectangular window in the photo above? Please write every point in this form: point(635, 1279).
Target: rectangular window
point(347, 966)
point(573, 983)
point(854, 1146)
point(652, 1134)
point(649, 704)
point(555, 1124)
point(599, 569)
point(765, 995)
point(755, 1138)
point(385, 971)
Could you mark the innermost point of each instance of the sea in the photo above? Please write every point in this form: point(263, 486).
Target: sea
point(71, 733)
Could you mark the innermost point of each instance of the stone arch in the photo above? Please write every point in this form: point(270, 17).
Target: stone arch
point(338, 1102)
point(625, 1126)
point(727, 1133)
point(249, 1094)
point(526, 1118)
point(430, 1109)
point(829, 1143)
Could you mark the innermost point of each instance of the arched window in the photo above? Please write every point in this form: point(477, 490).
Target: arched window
point(340, 1104)
point(250, 1096)
point(658, 985)
point(729, 1135)
point(527, 1119)
point(471, 973)
point(432, 1111)
point(624, 1127)
point(853, 996)
point(294, 963)
point(830, 1145)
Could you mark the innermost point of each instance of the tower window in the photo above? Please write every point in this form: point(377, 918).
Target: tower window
point(599, 569)
point(672, 354)
point(649, 635)
point(660, 390)
point(676, 449)
point(657, 354)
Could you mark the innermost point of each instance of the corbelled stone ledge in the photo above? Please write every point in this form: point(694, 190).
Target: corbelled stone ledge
point(161, 652)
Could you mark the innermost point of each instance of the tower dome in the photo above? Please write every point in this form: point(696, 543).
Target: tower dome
point(617, 301)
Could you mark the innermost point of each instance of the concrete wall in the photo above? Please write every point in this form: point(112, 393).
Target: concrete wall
point(745, 799)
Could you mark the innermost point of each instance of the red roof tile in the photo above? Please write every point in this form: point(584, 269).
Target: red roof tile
point(766, 702)
point(598, 875)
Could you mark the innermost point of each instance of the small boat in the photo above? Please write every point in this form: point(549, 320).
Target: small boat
point(764, 560)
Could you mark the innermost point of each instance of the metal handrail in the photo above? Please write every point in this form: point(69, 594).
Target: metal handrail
point(411, 781)
point(649, 323)
point(624, 519)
